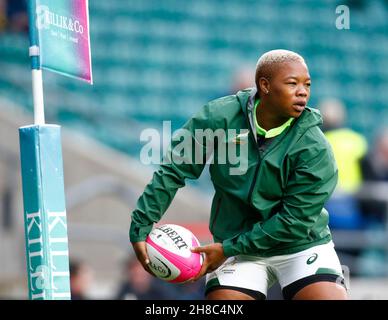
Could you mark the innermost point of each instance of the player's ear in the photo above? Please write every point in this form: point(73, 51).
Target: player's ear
point(264, 85)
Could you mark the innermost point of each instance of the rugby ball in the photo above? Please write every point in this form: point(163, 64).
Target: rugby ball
point(168, 248)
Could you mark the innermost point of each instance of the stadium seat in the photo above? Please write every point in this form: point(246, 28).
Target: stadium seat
point(169, 57)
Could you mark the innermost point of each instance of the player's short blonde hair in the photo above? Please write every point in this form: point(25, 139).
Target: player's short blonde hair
point(266, 63)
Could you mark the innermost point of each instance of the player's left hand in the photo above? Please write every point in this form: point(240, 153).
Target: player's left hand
point(214, 257)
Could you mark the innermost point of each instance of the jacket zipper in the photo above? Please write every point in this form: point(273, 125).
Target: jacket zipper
point(254, 180)
point(259, 159)
point(258, 162)
point(217, 211)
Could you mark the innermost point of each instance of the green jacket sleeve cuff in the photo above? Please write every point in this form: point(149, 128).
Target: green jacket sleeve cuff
point(139, 233)
point(229, 250)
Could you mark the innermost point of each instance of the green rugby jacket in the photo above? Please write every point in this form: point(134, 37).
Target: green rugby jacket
point(275, 205)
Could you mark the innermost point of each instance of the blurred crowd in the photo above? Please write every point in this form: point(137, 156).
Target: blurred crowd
point(360, 202)
point(358, 165)
point(13, 16)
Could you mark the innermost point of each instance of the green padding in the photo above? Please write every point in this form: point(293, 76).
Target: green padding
point(212, 283)
point(327, 271)
point(47, 251)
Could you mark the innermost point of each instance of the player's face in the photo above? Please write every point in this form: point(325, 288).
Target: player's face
point(289, 89)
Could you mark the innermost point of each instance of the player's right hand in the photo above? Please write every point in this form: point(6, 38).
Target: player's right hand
point(140, 249)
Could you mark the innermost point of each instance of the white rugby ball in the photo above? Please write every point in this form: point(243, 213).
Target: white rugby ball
point(168, 248)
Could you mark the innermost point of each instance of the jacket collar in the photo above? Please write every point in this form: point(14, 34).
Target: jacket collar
point(246, 98)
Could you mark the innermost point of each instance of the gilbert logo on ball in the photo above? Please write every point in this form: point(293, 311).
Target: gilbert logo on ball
point(171, 259)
